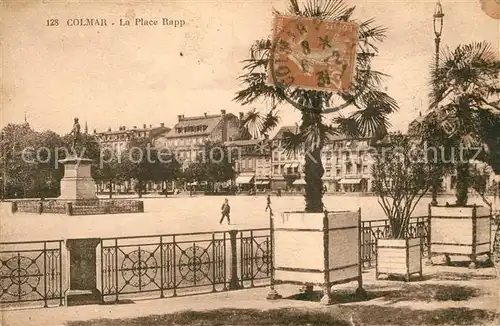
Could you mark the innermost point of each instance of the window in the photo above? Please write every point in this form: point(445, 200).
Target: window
point(328, 172)
point(365, 169)
point(348, 169)
point(250, 163)
point(338, 172)
point(275, 169)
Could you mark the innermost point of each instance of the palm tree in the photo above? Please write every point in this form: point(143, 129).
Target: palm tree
point(370, 104)
point(463, 108)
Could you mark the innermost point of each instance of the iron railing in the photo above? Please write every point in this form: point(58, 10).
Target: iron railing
point(179, 264)
point(79, 207)
point(31, 271)
point(107, 206)
point(255, 256)
point(381, 229)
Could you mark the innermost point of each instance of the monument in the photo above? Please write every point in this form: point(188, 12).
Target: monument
point(77, 183)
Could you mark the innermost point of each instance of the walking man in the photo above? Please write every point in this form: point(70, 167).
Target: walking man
point(268, 206)
point(226, 209)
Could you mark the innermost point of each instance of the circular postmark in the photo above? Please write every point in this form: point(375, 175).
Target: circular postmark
point(491, 8)
point(311, 54)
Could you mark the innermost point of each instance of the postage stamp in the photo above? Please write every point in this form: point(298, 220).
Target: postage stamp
point(491, 8)
point(313, 54)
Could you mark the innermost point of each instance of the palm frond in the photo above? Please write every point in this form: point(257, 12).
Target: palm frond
point(256, 124)
point(347, 126)
point(292, 143)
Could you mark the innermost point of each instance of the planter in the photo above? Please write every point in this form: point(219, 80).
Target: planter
point(399, 257)
point(460, 231)
point(317, 249)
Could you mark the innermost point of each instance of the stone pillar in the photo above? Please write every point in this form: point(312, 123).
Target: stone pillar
point(68, 207)
point(77, 183)
point(82, 272)
point(234, 283)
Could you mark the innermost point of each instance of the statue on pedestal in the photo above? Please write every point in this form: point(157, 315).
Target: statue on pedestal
point(75, 132)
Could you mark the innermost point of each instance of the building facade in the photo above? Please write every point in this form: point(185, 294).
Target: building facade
point(189, 134)
point(119, 139)
point(252, 163)
point(347, 164)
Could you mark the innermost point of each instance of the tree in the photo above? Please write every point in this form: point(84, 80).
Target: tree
point(193, 172)
point(400, 180)
point(463, 84)
point(20, 146)
point(110, 170)
point(167, 168)
point(139, 162)
point(431, 137)
point(371, 105)
point(216, 164)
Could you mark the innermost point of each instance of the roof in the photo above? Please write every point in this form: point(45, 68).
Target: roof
point(293, 129)
point(282, 130)
point(201, 126)
point(154, 130)
point(244, 142)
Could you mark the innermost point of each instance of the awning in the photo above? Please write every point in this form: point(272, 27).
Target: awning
point(262, 182)
point(349, 181)
point(288, 165)
point(299, 182)
point(294, 165)
point(244, 179)
point(194, 183)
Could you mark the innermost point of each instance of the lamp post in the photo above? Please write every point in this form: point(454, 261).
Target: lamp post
point(438, 27)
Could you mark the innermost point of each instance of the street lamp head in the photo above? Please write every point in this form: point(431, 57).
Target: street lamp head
point(438, 19)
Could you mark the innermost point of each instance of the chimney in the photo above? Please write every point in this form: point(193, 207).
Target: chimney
point(162, 125)
point(242, 115)
point(95, 131)
point(151, 126)
point(144, 126)
point(135, 127)
point(179, 117)
point(205, 114)
point(109, 129)
point(224, 125)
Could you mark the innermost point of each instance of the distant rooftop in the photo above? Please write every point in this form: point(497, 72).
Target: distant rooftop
point(198, 125)
point(124, 129)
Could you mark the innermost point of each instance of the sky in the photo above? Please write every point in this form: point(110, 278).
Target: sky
point(134, 75)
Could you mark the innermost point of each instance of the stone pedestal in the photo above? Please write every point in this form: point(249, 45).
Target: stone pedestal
point(82, 272)
point(77, 183)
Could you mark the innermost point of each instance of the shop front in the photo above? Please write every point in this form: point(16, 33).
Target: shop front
point(353, 185)
point(245, 182)
point(263, 185)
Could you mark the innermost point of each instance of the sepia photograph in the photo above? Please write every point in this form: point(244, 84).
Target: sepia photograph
point(249, 162)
